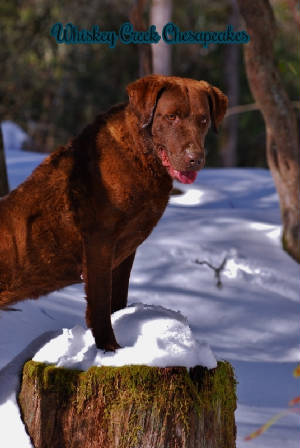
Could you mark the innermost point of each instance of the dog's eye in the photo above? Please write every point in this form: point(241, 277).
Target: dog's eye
point(204, 120)
point(171, 117)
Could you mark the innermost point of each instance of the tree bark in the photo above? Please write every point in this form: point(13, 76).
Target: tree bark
point(4, 189)
point(161, 13)
point(130, 406)
point(280, 118)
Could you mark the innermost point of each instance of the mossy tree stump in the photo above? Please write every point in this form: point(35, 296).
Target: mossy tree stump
point(129, 407)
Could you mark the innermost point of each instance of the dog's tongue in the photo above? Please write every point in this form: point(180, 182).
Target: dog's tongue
point(185, 177)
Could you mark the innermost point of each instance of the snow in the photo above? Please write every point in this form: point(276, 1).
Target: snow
point(150, 335)
point(13, 135)
point(175, 306)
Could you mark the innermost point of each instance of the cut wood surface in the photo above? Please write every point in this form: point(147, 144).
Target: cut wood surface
point(129, 407)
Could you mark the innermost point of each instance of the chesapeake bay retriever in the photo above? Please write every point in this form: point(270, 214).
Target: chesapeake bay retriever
point(83, 212)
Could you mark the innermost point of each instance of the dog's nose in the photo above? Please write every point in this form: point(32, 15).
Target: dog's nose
point(194, 160)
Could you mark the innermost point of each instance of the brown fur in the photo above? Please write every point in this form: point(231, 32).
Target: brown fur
point(91, 203)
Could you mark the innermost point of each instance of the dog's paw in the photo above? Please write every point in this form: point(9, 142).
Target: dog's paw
point(111, 347)
point(107, 346)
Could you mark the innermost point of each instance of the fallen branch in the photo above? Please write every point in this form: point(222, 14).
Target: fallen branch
point(7, 308)
point(217, 270)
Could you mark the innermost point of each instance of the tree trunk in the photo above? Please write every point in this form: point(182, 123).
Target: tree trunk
point(231, 71)
point(161, 13)
point(145, 50)
point(130, 406)
point(4, 189)
point(279, 116)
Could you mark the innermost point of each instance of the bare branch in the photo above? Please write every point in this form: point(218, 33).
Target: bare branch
point(217, 270)
point(250, 107)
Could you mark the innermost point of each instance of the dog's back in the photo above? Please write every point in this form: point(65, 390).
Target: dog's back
point(39, 244)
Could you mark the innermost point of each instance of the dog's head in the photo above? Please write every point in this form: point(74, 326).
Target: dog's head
point(178, 113)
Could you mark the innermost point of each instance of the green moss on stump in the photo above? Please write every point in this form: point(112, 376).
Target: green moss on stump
point(142, 392)
point(49, 377)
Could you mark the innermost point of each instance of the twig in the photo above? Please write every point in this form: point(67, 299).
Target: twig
point(217, 270)
point(249, 107)
point(7, 308)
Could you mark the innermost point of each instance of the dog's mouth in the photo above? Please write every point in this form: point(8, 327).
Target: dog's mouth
point(185, 177)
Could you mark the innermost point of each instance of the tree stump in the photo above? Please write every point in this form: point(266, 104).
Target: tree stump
point(129, 407)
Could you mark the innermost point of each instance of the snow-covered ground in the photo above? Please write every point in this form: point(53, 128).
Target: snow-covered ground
point(252, 320)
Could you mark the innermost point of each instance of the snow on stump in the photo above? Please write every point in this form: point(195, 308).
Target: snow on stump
point(129, 406)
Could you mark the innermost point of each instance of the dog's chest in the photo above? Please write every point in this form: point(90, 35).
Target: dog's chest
point(138, 225)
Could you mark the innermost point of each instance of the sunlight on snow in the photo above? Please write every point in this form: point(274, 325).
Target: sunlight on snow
point(189, 197)
point(232, 269)
point(272, 232)
point(10, 413)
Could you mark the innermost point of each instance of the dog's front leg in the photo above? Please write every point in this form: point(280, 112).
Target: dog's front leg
point(120, 283)
point(98, 256)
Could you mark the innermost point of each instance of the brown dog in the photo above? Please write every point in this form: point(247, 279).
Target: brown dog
point(90, 204)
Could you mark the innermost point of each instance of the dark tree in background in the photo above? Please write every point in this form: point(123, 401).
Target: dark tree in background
point(144, 51)
point(279, 115)
point(3, 174)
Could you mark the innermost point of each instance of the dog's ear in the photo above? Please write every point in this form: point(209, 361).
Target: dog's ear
point(218, 103)
point(143, 96)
